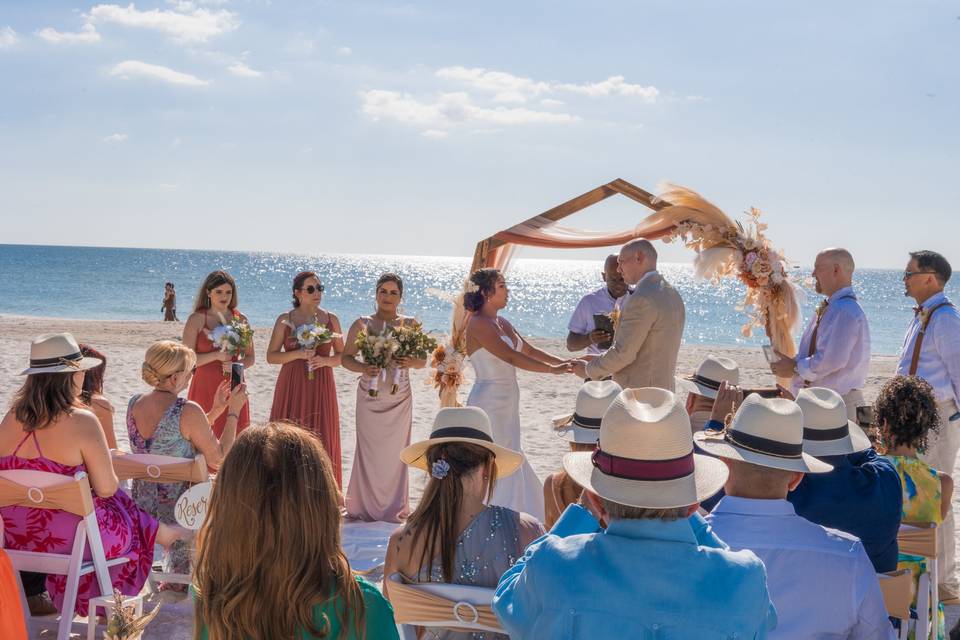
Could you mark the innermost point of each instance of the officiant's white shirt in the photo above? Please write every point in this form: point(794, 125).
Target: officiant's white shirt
point(600, 301)
point(842, 357)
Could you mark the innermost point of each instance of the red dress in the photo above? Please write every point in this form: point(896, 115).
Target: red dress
point(312, 404)
point(203, 387)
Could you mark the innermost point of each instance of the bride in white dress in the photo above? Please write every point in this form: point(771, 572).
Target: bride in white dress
point(496, 351)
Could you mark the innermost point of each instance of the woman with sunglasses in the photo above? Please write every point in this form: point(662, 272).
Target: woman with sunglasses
point(160, 422)
point(305, 393)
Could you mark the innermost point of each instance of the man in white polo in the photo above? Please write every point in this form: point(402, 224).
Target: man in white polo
point(821, 580)
point(583, 332)
point(834, 351)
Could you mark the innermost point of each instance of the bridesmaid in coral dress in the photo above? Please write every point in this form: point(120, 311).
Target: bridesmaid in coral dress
point(378, 480)
point(310, 403)
point(216, 304)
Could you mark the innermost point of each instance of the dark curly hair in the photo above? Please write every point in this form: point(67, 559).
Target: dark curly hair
point(907, 408)
point(486, 281)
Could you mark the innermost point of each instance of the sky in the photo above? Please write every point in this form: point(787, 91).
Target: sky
point(421, 128)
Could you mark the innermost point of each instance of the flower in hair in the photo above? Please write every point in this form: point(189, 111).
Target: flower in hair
point(471, 287)
point(440, 469)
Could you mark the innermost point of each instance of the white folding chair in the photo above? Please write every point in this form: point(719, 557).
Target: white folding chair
point(443, 605)
point(161, 469)
point(42, 490)
point(897, 588)
point(920, 539)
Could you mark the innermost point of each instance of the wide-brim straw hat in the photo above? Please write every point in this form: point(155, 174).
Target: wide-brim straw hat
point(469, 425)
point(645, 456)
point(767, 432)
point(57, 353)
point(593, 400)
point(826, 429)
point(711, 373)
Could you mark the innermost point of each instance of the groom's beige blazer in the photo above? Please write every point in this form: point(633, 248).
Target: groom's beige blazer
point(647, 339)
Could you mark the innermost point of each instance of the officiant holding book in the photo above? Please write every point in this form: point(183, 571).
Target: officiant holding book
point(584, 332)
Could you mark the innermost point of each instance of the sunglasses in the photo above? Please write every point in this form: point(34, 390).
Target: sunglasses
point(312, 289)
point(910, 274)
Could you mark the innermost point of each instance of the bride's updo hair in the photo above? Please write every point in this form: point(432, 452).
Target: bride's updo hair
point(485, 281)
point(164, 359)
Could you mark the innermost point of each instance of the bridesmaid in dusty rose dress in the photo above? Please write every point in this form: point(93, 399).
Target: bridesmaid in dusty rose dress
point(312, 404)
point(378, 481)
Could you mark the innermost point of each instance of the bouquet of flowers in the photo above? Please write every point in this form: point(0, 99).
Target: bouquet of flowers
point(412, 343)
point(123, 623)
point(310, 336)
point(447, 363)
point(233, 337)
point(377, 349)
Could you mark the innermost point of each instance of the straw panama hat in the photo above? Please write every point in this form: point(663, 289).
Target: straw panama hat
point(645, 455)
point(593, 400)
point(469, 425)
point(710, 374)
point(767, 432)
point(57, 353)
point(826, 429)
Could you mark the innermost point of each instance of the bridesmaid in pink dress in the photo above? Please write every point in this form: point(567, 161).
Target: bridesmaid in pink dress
point(378, 480)
point(312, 404)
point(47, 429)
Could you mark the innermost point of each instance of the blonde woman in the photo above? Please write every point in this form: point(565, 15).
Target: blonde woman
point(269, 560)
point(160, 422)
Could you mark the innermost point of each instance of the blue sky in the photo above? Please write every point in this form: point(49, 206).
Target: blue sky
point(421, 127)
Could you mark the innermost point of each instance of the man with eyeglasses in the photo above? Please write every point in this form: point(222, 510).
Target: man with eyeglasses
point(584, 333)
point(931, 350)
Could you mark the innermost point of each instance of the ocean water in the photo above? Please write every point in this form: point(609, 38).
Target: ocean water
point(127, 284)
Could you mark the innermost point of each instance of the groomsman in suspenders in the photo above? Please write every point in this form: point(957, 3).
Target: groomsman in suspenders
point(835, 348)
point(931, 350)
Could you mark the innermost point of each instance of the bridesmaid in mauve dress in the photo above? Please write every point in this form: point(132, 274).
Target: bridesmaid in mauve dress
point(312, 404)
point(378, 480)
point(216, 303)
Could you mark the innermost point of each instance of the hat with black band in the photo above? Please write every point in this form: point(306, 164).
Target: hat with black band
point(583, 425)
point(57, 353)
point(826, 429)
point(711, 373)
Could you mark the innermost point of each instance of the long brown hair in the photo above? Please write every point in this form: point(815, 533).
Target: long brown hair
point(43, 398)
point(92, 378)
point(269, 549)
point(435, 518)
point(212, 281)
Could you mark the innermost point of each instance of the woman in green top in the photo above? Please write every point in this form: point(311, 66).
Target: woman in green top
point(269, 562)
point(906, 411)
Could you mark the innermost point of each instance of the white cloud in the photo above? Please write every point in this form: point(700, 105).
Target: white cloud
point(137, 69)
point(450, 110)
point(175, 143)
point(187, 23)
point(344, 51)
point(87, 35)
point(614, 85)
point(434, 134)
point(115, 137)
point(550, 102)
point(242, 70)
point(8, 37)
point(168, 186)
point(506, 87)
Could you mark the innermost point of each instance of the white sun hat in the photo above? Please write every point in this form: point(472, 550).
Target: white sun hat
point(826, 429)
point(767, 432)
point(57, 353)
point(713, 371)
point(469, 425)
point(645, 455)
point(593, 400)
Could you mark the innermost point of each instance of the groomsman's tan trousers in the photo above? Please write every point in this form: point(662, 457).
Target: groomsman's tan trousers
point(941, 454)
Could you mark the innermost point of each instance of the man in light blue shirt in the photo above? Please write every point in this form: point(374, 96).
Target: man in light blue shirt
point(657, 571)
point(821, 580)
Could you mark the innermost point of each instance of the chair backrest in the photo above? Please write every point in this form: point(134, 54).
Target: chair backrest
point(437, 604)
point(897, 588)
point(154, 468)
point(44, 490)
point(918, 539)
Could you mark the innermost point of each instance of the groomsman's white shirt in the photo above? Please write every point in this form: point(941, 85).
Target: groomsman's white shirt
point(842, 357)
point(940, 351)
point(600, 301)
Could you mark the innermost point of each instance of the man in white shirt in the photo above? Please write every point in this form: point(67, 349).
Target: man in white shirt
point(931, 350)
point(583, 330)
point(820, 580)
point(835, 348)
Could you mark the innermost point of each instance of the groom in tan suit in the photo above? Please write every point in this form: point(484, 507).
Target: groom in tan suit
point(647, 339)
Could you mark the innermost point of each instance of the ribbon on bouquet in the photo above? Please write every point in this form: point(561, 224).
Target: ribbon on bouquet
point(373, 388)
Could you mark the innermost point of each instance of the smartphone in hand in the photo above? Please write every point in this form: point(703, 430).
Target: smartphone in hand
point(236, 375)
point(769, 354)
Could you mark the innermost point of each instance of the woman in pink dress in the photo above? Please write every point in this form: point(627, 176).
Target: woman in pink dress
point(378, 481)
point(47, 429)
point(305, 393)
point(216, 304)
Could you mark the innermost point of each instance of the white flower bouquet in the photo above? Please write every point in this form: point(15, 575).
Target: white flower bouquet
point(233, 337)
point(378, 350)
point(310, 336)
point(412, 342)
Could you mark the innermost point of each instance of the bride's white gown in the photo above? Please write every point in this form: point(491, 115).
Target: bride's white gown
point(496, 391)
